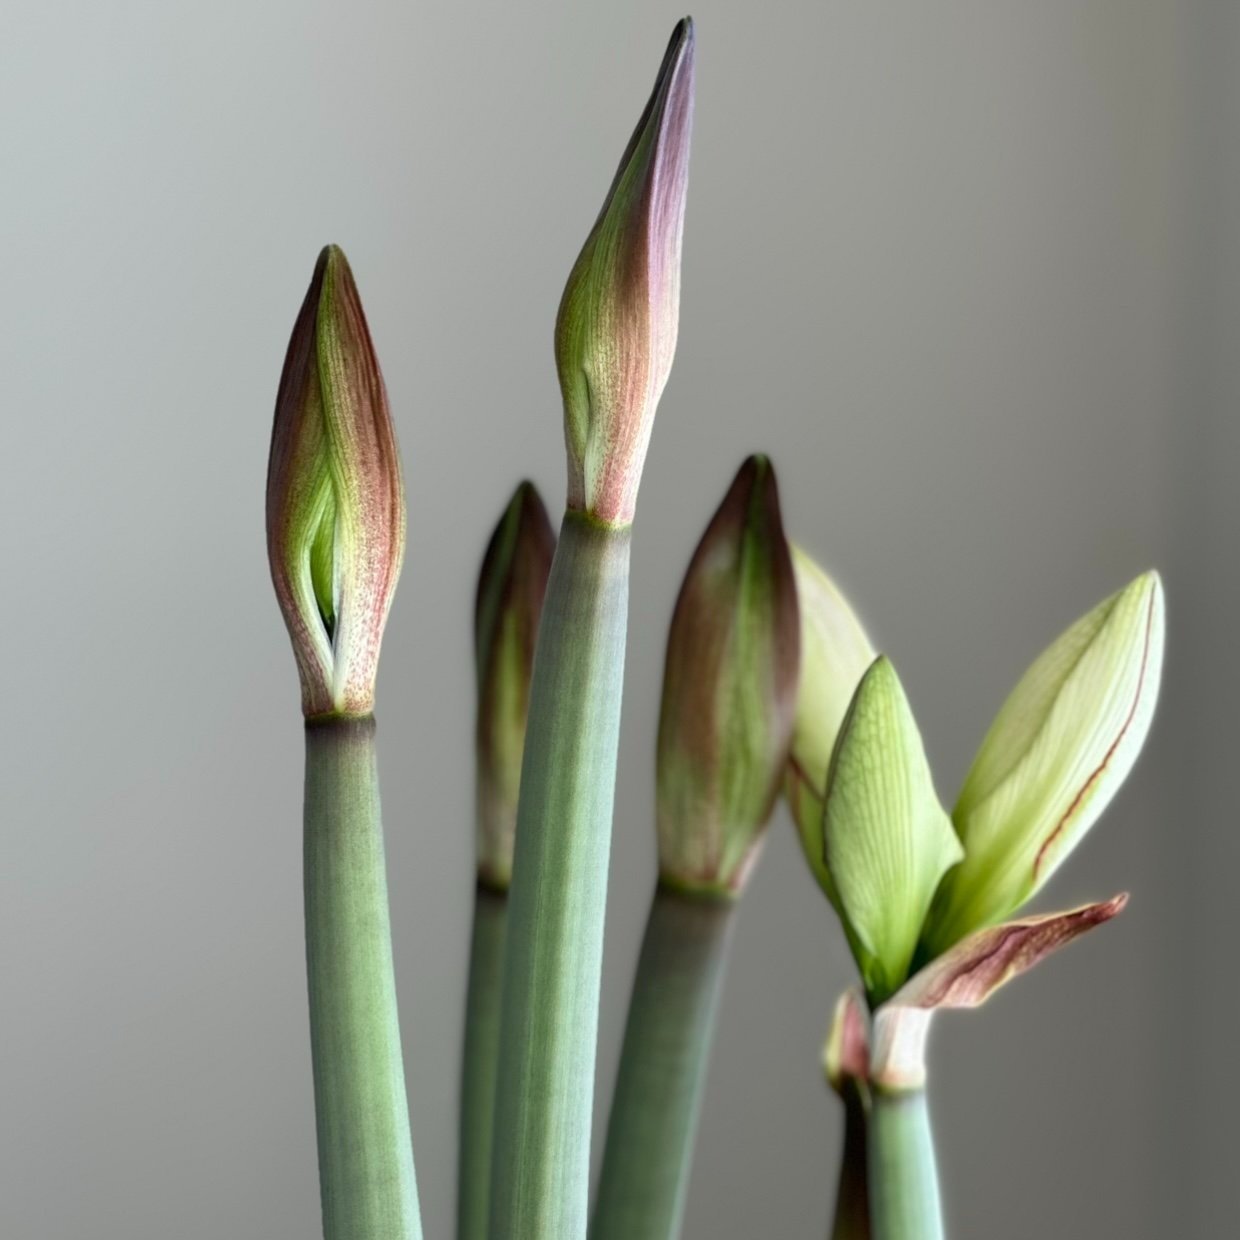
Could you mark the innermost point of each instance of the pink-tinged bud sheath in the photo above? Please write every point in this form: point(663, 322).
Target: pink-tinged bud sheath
point(511, 587)
point(615, 334)
point(729, 690)
point(335, 498)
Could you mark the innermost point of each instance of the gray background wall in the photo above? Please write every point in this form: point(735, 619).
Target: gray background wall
point(968, 271)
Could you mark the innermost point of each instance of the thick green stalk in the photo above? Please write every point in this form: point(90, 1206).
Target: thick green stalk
point(553, 962)
point(366, 1173)
point(658, 1090)
point(904, 1183)
point(481, 1060)
point(852, 1204)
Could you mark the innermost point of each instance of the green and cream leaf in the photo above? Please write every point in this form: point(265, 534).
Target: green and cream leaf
point(1056, 754)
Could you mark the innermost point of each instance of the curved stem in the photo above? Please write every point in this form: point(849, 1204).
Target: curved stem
point(658, 1090)
point(480, 1066)
point(549, 1023)
point(366, 1175)
point(904, 1184)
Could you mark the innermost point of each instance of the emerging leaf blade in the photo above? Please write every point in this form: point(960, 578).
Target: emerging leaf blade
point(1056, 754)
point(888, 841)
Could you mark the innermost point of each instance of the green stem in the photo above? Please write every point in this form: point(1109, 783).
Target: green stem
point(481, 1060)
point(852, 1203)
point(904, 1183)
point(658, 1090)
point(541, 1159)
point(366, 1173)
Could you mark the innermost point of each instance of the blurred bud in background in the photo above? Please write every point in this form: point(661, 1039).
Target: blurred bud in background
point(835, 653)
point(511, 587)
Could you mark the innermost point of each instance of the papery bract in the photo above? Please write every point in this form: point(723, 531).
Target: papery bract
point(966, 976)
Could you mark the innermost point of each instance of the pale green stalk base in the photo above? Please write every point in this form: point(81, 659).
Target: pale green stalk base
point(904, 1182)
point(541, 1158)
point(481, 1062)
point(658, 1091)
point(852, 1203)
point(365, 1154)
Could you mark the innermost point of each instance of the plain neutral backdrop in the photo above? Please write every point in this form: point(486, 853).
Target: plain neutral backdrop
point(969, 272)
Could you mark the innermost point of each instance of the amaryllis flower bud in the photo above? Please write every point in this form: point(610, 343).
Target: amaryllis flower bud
point(729, 690)
point(335, 499)
point(1056, 754)
point(835, 653)
point(615, 333)
point(511, 587)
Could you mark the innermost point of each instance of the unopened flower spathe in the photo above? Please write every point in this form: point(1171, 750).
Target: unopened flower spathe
point(729, 689)
point(615, 334)
point(335, 498)
point(511, 587)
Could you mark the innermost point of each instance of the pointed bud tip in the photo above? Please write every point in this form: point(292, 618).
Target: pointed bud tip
point(332, 265)
point(751, 503)
point(523, 532)
point(756, 471)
